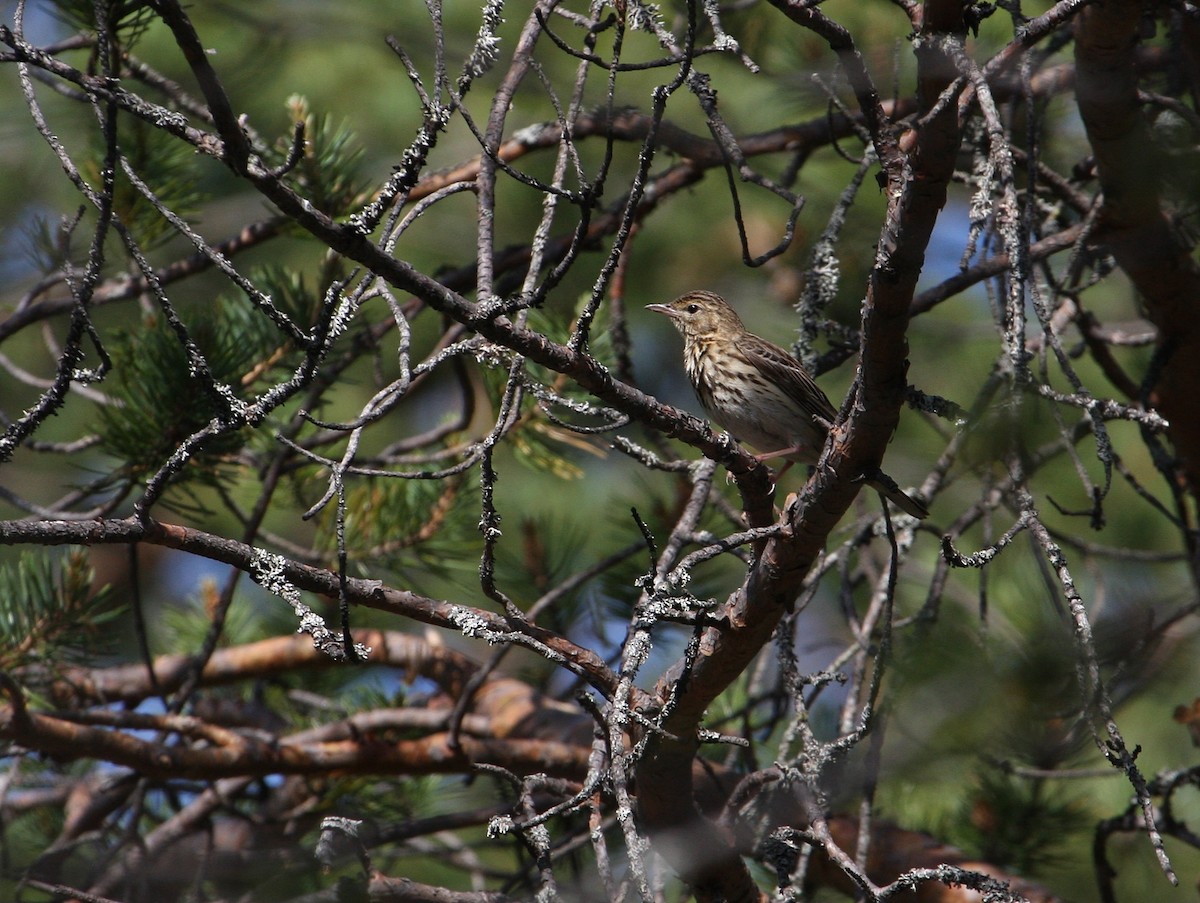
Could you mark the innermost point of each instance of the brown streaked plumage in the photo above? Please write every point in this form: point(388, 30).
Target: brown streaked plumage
point(756, 390)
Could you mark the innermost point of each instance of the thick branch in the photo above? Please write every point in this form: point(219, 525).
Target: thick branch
point(252, 757)
point(129, 684)
point(370, 593)
point(916, 186)
point(1141, 235)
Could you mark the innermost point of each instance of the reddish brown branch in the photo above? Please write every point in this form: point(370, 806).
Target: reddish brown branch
point(240, 755)
point(130, 684)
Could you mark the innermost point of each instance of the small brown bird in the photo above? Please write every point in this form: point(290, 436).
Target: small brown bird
point(756, 390)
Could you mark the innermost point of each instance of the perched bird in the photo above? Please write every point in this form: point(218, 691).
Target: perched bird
point(756, 390)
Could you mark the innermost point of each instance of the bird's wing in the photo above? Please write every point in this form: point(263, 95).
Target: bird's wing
point(786, 372)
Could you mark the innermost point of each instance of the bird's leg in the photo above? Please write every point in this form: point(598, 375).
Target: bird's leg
point(788, 453)
point(779, 473)
point(795, 452)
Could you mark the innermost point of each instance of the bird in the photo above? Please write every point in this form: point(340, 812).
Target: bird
point(757, 391)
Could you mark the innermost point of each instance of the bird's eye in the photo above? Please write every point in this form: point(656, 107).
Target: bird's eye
point(692, 308)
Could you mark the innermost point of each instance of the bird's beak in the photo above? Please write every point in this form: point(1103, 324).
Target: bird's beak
point(663, 309)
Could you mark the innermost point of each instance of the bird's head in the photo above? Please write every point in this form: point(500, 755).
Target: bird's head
point(701, 315)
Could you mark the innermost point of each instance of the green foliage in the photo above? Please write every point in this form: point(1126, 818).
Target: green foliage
point(1016, 822)
point(385, 801)
point(540, 447)
point(292, 296)
point(1177, 137)
point(49, 610)
point(49, 245)
point(289, 291)
point(158, 401)
point(541, 444)
point(28, 837)
point(161, 161)
point(186, 625)
point(127, 19)
point(408, 526)
point(329, 173)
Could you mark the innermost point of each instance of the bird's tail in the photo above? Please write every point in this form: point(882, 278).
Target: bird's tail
point(897, 496)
